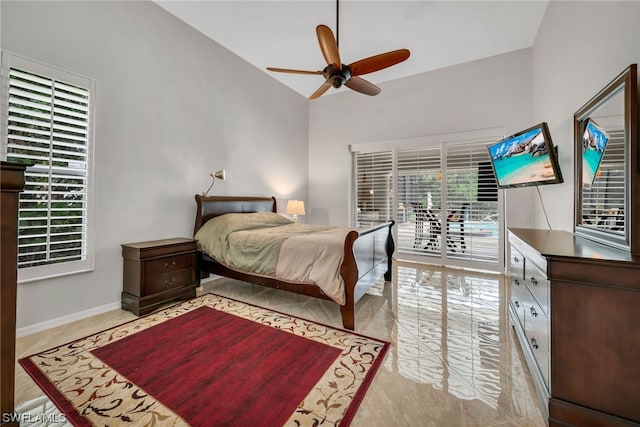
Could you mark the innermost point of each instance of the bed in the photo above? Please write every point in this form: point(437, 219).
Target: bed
point(366, 253)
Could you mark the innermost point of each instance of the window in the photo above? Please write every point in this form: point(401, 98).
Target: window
point(49, 126)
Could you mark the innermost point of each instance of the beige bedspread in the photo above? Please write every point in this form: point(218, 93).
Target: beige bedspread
point(271, 245)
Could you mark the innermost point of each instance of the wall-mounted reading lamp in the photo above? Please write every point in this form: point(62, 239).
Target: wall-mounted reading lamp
point(218, 174)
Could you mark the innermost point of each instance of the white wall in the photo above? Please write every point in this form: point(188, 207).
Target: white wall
point(488, 93)
point(580, 48)
point(172, 106)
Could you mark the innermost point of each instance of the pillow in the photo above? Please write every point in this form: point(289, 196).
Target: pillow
point(212, 236)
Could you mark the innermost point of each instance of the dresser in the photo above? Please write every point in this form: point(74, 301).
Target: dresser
point(529, 313)
point(157, 272)
point(575, 308)
point(11, 184)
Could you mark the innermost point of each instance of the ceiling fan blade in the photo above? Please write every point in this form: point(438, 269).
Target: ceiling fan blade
point(322, 89)
point(287, 70)
point(328, 45)
point(378, 62)
point(361, 85)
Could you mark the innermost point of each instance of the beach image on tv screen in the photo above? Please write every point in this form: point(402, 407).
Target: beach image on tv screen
point(522, 159)
point(594, 142)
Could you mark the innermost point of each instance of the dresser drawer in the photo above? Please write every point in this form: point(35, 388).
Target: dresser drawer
point(517, 299)
point(168, 264)
point(536, 328)
point(542, 356)
point(538, 341)
point(516, 262)
point(538, 284)
point(536, 325)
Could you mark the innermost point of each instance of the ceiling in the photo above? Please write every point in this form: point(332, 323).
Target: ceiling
point(438, 33)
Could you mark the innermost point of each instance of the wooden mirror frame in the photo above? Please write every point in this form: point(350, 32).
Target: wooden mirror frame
point(630, 241)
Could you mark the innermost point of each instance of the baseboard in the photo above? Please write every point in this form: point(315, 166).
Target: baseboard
point(43, 326)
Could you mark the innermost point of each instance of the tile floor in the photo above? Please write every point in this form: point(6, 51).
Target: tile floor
point(454, 359)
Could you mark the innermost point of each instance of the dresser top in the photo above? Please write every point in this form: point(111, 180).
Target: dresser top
point(559, 243)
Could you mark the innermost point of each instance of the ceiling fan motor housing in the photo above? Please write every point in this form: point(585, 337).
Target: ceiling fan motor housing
point(337, 76)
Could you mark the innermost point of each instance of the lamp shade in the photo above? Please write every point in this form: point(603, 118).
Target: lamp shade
point(295, 207)
point(219, 174)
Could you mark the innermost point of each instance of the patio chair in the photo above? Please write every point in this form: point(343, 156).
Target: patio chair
point(456, 239)
point(420, 214)
point(435, 230)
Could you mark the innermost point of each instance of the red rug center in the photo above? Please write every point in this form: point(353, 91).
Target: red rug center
point(214, 368)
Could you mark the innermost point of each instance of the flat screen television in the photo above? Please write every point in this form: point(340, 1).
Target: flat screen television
point(525, 158)
point(594, 141)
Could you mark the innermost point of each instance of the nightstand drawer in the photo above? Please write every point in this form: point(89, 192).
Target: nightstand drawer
point(162, 282)
point(168, 264)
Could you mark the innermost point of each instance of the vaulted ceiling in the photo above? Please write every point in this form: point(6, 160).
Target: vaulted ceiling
point(438, 33)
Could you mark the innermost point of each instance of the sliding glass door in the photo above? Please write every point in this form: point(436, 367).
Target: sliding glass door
point(442, 197)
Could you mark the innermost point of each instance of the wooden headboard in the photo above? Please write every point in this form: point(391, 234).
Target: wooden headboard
point(213, 206)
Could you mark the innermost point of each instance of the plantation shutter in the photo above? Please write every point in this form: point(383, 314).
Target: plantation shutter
point(49, 128)
point(373, 187)
point(472, 203)
point(419, 196)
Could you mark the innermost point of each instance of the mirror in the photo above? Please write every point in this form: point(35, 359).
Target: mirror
point(606, 164)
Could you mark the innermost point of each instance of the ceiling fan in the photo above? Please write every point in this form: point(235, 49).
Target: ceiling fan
point(337, 74)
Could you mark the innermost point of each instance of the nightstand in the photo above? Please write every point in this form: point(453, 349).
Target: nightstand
point(158, 272)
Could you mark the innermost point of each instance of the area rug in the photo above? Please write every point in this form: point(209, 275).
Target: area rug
point(210, 361)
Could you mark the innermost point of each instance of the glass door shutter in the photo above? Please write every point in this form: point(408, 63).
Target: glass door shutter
point(373, 187)
point(472, 204)
point(443, 198)
point(419, 200)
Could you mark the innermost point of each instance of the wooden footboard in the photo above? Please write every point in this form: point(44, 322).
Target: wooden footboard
point(367, 254)
point(367, 257)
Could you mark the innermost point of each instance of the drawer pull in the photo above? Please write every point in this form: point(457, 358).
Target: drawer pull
point(516, 281)
point(166, 264)
point(534, 313)
point(167, 281)
point(534, 282)
point(534, 343)
point(517, 304)
point(516, 260)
